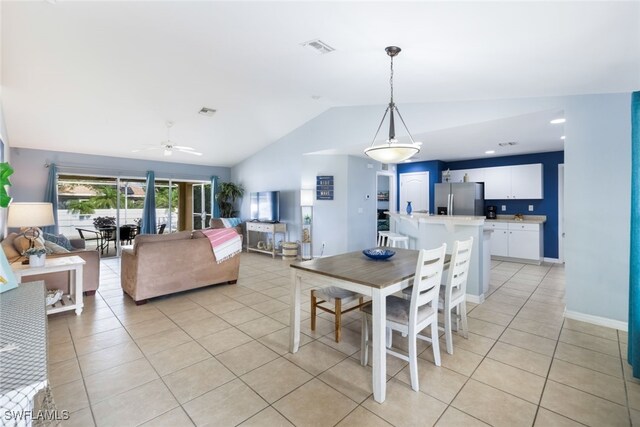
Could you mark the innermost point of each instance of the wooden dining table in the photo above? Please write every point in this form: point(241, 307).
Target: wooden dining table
point(355, 272)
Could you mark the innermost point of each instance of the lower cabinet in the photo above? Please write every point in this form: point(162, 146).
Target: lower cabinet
point(516, 240)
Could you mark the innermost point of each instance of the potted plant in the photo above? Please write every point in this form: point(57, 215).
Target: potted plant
point(307, 219)
point(228, 192)
point(37, 256)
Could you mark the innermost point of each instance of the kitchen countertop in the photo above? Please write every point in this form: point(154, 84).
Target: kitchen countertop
point(528, 219)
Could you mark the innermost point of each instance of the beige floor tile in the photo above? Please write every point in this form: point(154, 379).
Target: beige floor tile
point(485, 329)
point(260, 327)
point(394, 364)
point(405, 407)
point(174, 418)
point(633, 392)
point(101, 360)
point(240, 316)
point(150, 327)
point(174, 304)
point(635, 417)
point(224, 340)
point(323, 405)
point(276, 379)
point(474, 343)
point(455, 418)
point(64, 372)
point(518, 382)
point(81, 418)
point(490, 316)
point(59, 335)
point(179, 357)
point(268, 307)
point(226, 306)
point(130, 317)
point(586, 358)
point(591, 329)
point(247, 357)
point(536, 328)
point(546, 418)
point(593, 382)
point(439, 382)
point(361, 417)
point(162, 341)
point(527, 360)
point(583, 407)
point(350, 378)
point(107, 383)
point(71, 396)
point(267, 417)
point(184, 317)
point(462, 361)
point(86, 327)
point(59, 352)
point(195, 380)
point(135, 406)
point(493, 406)
point(590, 342)
point(227, 405)
point(316, 357)
point(101, 341)
point(253, 298)
point(279, 341)
point(529, 341)
point(204, 327)
point(349, 341)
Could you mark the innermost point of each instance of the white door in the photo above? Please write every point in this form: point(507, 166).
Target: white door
point(414, 188)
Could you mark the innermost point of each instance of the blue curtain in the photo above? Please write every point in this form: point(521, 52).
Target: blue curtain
point(51, 196)
point(634, 271)
point(149, 211)
point(215, 209)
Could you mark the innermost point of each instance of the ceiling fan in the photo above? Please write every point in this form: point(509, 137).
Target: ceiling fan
point(169, 147)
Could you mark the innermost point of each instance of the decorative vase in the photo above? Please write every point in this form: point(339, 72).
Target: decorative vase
point(37, 260)
point(409, 208)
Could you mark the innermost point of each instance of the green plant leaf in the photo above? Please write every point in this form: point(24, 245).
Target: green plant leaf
point(5, 172)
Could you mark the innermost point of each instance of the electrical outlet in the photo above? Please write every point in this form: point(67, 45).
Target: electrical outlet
point(504, 208)
point(530, 208)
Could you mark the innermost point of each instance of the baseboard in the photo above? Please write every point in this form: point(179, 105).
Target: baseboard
point(476, 299)
point(553, 260)
point(597, 320)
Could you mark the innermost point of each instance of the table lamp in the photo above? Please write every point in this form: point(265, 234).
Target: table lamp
point(29, 216)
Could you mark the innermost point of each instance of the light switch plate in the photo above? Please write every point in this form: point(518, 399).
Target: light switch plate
point(504, 208)
point(530, 208)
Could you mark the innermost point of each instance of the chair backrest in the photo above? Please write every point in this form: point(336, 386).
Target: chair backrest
point(459, 267)
point(125, 232)
point(79, 230)
point(161, 228)
point(426, 282)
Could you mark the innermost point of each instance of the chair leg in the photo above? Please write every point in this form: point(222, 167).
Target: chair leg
point(313, 310)
point(435, 343)
point(463, 319)
point(447, 330)
point(364, 341)
point(338, 318)
point(389, 337)
point(413, 360)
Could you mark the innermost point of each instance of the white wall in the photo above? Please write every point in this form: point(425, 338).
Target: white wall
point(361, 204)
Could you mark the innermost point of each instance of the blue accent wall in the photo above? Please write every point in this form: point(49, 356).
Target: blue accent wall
point(547, 206)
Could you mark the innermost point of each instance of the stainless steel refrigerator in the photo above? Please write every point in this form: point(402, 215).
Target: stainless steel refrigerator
point(460, 198)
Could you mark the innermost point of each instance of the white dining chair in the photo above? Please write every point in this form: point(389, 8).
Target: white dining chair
point(412, 316)
point(338, 298)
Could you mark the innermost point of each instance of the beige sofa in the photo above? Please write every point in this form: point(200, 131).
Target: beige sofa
point(90, 270)
point(163, 264)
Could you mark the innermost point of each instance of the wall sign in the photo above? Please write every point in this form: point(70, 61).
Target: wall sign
point(324, 187)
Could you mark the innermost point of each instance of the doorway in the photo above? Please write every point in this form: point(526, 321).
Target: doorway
point(385, 199)
point(414, 188)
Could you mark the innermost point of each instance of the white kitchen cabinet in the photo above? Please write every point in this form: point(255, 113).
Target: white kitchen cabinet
point(457, 176)
point(497, 183)
point(499, 238)
point(476, 175)
point(516, 240)
point(526, 181)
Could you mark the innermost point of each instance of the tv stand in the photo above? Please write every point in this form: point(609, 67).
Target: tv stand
point(269, 230)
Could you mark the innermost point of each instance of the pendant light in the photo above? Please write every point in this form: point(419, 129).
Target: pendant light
point(392, 151)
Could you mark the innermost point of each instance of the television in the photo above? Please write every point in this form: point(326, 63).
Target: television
point(265, 206)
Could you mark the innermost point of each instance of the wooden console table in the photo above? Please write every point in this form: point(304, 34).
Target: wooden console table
point(270, 229)
point(73, 264)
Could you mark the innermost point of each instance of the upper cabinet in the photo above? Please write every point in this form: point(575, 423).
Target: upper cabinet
point(506, 182)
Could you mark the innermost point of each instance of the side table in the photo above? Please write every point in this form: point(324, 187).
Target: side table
point(73, 264)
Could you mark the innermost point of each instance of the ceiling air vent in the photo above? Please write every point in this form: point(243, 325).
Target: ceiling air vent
point(319, 46)
point(207, 111)
point(507, 144)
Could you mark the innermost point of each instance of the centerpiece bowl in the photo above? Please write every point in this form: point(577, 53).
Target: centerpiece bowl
point(379, 253)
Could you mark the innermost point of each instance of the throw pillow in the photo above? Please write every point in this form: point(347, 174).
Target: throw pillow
point(21, 243)
point(58, 239)
point(53, 248)
point(9, 250)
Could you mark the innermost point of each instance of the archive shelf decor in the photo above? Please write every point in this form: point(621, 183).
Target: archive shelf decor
point(324, 187)
point(306, 210)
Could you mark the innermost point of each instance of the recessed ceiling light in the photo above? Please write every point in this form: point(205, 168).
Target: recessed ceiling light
point(558, 121)
point(206, 111)
point(490, 152)
point(407, 161)
point(319, 46)
point(562, 137)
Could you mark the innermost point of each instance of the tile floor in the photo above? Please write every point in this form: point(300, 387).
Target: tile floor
point(218, 356)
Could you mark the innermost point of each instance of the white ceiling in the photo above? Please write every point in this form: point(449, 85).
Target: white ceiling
point(103, 77)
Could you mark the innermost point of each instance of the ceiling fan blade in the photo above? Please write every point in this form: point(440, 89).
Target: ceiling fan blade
point(195, 153)
point(183, 147)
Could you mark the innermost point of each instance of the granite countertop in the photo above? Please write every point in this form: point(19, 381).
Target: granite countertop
point(528, 219)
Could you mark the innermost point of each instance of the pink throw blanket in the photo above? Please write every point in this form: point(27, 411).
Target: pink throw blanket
point(225, 242)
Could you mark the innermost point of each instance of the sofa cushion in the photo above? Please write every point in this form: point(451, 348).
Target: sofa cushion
point(53, 248)
point(21, 243)
point(154, 238)
point(58, 239)
point(9, 250)
point(224, 222)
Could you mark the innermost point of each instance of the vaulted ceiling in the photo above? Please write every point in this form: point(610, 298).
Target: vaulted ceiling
point(103, 77)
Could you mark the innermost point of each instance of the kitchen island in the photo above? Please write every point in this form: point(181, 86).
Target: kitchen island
point(429, 231)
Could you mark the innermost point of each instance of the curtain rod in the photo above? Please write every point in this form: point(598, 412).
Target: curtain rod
point(119, 173)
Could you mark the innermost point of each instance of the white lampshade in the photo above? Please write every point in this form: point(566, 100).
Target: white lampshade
point(30, 215)
point(392, 152)
point(306, 197)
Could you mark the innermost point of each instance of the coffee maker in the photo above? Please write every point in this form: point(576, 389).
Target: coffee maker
point(492, 211)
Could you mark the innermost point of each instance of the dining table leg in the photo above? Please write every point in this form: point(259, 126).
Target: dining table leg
point(294, 318)
point(378, 318)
